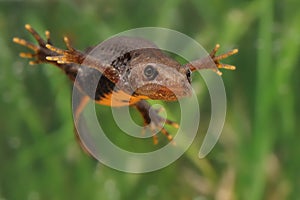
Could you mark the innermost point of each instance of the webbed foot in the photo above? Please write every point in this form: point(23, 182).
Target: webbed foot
point(40, 51)
point(218, 58)
point(206, 63)
point(153, 121)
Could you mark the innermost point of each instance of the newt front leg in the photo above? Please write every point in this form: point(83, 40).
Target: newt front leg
point(206, 63)
point(41, 52)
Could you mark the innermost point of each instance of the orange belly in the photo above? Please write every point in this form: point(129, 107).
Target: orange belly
point(119, 98)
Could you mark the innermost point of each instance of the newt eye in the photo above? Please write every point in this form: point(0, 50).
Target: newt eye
point(150, 72)
point(189, 75)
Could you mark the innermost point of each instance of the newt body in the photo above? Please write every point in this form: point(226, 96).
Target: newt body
point(127, 71)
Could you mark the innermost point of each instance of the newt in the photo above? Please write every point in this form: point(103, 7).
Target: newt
point(129, 70)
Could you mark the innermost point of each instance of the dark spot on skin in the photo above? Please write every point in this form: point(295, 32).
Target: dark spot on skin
point(189, 75)
point(150, 72)
point(121, 62)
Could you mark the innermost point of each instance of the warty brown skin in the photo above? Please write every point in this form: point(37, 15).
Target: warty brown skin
point(123, 71)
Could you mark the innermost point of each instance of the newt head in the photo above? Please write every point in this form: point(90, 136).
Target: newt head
point(163, 80)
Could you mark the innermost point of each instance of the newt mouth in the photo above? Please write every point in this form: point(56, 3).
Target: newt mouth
point(159, 92)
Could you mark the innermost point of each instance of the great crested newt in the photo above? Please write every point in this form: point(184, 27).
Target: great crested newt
point(132, 70)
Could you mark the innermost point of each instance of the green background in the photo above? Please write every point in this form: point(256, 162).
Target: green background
point(257, 155)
